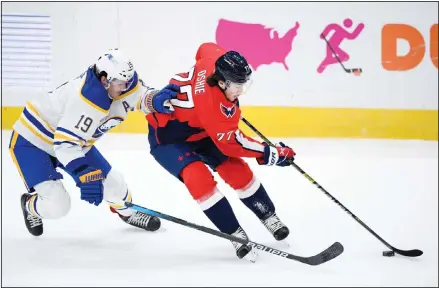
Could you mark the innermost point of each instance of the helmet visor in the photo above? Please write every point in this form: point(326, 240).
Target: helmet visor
point(239, 88)
point(123, 85)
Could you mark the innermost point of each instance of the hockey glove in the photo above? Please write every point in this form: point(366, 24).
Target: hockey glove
point(277, 155)
point(161, 101)
point(89, 180)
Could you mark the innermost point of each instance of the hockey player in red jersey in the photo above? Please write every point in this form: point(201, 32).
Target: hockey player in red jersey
point(203, 130)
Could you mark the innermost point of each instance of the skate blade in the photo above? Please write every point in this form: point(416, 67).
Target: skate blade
point(284, 244)
point(251, 256)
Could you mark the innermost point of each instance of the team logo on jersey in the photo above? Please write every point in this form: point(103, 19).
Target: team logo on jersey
point(107, 125)
point(228, 111)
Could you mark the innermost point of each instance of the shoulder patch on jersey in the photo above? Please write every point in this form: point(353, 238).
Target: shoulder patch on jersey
point(107, 125)
point(228, 111)
point(93, 92)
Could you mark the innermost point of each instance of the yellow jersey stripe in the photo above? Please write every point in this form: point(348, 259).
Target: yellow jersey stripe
point(92, 104)
point(59, 136)
point(129, 198)
point(39, 135)
point(33, 109)
point(116, 206)
point(138, 104)
point(32, 205)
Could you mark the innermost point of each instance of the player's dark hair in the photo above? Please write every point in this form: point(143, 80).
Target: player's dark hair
point(99, 74)
point(213, 79)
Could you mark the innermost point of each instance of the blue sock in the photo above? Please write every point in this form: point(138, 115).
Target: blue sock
point(222, 215)
point(260, 203)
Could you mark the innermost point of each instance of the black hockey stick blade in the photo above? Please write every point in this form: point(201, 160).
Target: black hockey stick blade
point(326, 255)
point(408, 253)
point(330, 253)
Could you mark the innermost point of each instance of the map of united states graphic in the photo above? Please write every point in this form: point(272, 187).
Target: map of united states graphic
point(256, 42)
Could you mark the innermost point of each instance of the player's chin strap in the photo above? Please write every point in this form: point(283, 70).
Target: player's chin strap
point(107, 84)
point(409, 253)
point(221, 88)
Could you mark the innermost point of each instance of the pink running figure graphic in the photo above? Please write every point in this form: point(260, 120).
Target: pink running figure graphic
point(337, 37)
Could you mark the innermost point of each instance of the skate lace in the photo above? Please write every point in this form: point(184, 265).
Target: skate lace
point(34, 221)
point(273, 223)
point(139, 219)
point(240, 233)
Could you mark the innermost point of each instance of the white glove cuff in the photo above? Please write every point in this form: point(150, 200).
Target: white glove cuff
point(273, 156)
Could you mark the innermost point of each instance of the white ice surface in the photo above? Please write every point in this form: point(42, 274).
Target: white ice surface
point(391, 185)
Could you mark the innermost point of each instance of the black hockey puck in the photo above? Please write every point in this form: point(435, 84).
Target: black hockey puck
point(388, 253)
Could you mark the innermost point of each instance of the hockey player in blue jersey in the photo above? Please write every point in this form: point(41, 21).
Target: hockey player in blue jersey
point(59, 129)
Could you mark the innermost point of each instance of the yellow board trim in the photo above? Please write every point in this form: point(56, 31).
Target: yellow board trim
point(343, 122)
point(10, 115)
point(307, 122)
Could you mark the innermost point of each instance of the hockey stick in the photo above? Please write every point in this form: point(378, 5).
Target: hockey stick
point(356, 71)
point(409, 253)
point(330, 253)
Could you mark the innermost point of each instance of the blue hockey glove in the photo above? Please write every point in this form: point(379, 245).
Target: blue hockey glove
point(89, 180)
point(161, 100)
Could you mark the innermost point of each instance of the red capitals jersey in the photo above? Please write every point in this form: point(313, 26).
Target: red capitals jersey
point(203, 111)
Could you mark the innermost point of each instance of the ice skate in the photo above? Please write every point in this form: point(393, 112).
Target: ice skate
point(140, 220)
point(33, 223)
point(244, 251)
point(276, 227)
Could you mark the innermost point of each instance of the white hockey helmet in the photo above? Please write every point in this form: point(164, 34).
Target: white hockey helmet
point(117, 67)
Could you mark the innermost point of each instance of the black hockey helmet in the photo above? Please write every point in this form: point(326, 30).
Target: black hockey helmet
point(233, 67)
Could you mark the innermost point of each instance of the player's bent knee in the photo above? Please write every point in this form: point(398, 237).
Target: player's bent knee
point(236, 173)
point(198, 180)
point(115, 187)
point(53, 199)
